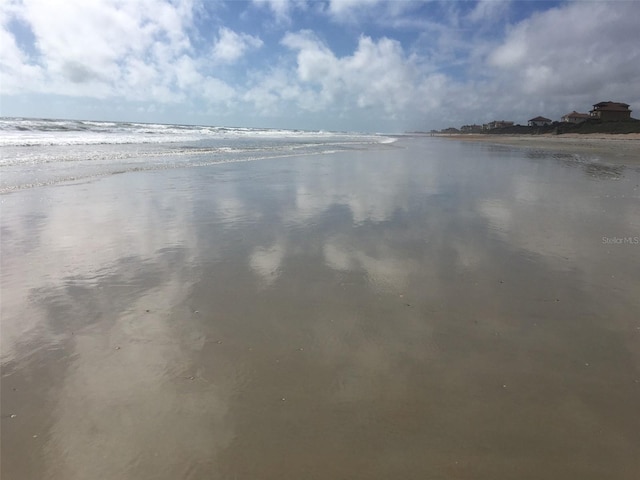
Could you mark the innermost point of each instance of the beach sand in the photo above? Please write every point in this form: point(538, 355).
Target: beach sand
point(615, 148)
point(428, 310)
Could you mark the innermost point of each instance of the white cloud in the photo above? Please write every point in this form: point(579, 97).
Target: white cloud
point(270, 92)
point(139, 50)
point(216, 91)
point(231, 45)
point(574, 49)
point(281, 9)
point(377, 75)
point(382, 12)
point(18, 71)
point(489, 11)
point(90, 48)
point(341, 8)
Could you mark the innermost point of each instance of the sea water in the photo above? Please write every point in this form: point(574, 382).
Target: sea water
point(36, 152)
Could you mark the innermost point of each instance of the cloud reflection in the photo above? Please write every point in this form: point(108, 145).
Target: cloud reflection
point(266, 261)
point(402, 286)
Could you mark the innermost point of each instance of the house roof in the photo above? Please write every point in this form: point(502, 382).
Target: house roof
point(611, 106)
point(575, 114)
point(540, 119)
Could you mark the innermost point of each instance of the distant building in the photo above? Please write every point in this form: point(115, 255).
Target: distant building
point(471, 128)
point(611, 111)
point(575, 117)
point(497, 124)
point(539, 122)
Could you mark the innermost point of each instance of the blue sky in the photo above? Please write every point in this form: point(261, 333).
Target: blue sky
point(356, 65)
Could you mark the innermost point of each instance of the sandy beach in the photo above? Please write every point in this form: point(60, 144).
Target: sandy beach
point(420, 310)
point(622, 149)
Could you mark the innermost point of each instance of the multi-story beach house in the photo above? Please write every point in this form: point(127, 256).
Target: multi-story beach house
point(575, 117)
point(471, 128)
point(539, 122)
point(497, 124)
point(611, 111)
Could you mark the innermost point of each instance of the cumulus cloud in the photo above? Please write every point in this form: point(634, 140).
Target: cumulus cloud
point(377, 74)
point(574, 49)
point(86, 42)
point(17, 69)
point(274, 91)
point(231, 45)
point(138, 50)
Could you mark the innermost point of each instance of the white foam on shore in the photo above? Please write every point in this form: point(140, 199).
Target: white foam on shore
point(44, 152)
point(44, 132)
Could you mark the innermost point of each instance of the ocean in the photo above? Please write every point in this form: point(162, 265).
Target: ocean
point(36, 152)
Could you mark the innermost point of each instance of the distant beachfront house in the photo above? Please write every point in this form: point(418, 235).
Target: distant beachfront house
point(539, 122)
point(575, 117)
point(471, 128)
point(497, 124)
point(611, 111)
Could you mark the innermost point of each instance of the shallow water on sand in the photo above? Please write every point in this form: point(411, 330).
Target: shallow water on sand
point(429, 309)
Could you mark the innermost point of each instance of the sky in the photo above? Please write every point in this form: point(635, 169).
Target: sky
point(346, 65)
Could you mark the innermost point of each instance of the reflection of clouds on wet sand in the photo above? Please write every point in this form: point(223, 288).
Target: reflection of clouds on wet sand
point(87, 236)
point(563, 222)
point(136, 384)
point(367, 182)
point(371, 191)
point(386, 270)
point(266, 261)
point(302, 308)
point(497, 213)
point(103, 281)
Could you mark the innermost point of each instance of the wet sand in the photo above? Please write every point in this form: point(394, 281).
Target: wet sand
point(433, 309)
point(614, 148)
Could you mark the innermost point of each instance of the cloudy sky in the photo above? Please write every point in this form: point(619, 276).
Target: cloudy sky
point(357, 65)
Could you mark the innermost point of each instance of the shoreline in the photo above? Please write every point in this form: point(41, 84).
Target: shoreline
point(618, 148)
